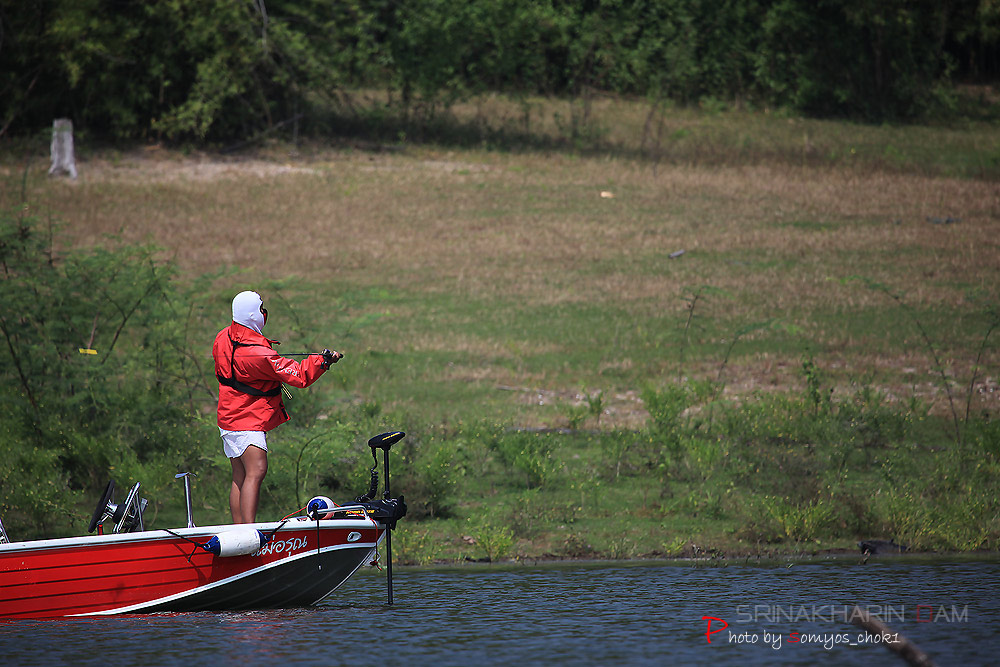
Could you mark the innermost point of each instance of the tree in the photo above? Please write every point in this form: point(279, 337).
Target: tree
point(68, 416)
point(861, 58)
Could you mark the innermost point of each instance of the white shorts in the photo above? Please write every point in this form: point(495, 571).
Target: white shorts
point(236, 442)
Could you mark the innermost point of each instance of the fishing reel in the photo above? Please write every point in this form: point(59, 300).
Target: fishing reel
point(126, 515)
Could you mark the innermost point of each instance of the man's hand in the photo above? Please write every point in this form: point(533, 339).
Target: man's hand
point(331, 358)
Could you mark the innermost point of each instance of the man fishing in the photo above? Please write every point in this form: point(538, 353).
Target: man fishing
point(250, 377)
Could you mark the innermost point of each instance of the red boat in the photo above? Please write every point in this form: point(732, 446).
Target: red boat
point(293, 562)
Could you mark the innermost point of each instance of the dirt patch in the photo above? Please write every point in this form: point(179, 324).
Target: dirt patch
point(155, 166)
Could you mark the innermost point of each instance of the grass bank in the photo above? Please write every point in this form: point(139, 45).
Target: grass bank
point(742, 333)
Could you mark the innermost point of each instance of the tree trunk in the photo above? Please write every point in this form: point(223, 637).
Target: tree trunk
point(62, 148)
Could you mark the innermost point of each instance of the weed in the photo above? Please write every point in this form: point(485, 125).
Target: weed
point(870, 421)
point(799, 521)
point(670, 417)
point(575, 416)
point(576, 545)
point(720, 383)
point(702, 458)
point(494, 541)
point(903, 514)
point(416, 546)
point(692, 300)
point(530, 513)
point(370, 409)
point(621, 547)
point(993, 321)
point(615, 448)
point(984, 435)
point(674, 547)
point(820, 402)
point(595, 405)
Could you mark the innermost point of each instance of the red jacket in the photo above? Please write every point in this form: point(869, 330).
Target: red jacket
point(257, 365)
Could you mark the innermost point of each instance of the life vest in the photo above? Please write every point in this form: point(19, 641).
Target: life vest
point(254, 404)
point(233, 383)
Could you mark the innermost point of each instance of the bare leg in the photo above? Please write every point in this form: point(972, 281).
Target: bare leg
point(239, 475)
point(254, 461)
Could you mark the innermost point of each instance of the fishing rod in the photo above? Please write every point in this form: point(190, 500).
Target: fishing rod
point(340, 355)
point(333, 354)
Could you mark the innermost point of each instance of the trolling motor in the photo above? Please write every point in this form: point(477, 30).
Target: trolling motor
point(387, 510)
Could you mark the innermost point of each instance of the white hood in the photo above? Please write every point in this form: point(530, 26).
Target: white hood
point(246, 310)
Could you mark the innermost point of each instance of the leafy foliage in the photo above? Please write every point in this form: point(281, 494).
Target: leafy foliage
point(224, 70)
point(872, 60)
point(176, 70)
point(527, 455)
point(70, 416)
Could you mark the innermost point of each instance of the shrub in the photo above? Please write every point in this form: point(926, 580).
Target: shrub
point(527, 454)
point(494, 540)
point(416, 546)
point(73, 415)
point(433, 468)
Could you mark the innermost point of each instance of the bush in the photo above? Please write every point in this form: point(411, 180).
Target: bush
point(493, 539)
point(430, 476)
point(96, 378)
point(671, 421)
point(527, 454)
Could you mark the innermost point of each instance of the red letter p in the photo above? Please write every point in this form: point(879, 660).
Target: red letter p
point(709, 632)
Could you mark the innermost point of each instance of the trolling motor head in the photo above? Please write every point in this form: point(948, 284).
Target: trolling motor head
point(384, 441)
point(381, 441)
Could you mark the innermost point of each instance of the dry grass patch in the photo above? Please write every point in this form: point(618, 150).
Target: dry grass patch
point(520, 226)
point(534, 231)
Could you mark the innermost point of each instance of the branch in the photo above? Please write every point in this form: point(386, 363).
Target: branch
point(17, 362)
point(975, 369)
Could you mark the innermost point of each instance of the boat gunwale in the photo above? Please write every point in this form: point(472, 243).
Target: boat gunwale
point(196, 531)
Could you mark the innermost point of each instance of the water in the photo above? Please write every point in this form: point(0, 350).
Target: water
point(567, 614)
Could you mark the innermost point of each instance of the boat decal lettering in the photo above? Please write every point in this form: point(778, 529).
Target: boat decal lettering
point(287, 546)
